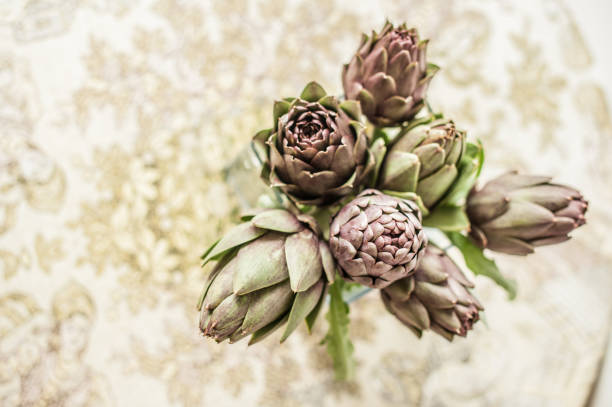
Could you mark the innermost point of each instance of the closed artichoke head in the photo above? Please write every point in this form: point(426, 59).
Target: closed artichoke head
point(389, 75)
point(424, 160)
point(514, 213)
point(376, 239)
point(269, 270)
point(435, 297)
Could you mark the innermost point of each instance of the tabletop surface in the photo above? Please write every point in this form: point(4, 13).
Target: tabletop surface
point(116, 120)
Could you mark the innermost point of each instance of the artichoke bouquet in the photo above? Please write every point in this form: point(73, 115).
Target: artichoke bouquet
point(364, 193)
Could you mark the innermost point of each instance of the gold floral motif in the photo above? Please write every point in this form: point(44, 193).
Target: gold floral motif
point(151, 99)
point(27, 173)
point(590, 99)
point(156, 210)
point(399, 378)
point(13, 261)
point(188, 362)
point(576, 54)
point(534, 89)
point(460, 45)
point(42, 365)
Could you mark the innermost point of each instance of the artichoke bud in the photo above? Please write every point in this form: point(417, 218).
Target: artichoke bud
point(317, 151)
point(435, 297)
point(515, 213)
point(271, 269)
point(389, 75)
point(424, 160)
point(377, 239)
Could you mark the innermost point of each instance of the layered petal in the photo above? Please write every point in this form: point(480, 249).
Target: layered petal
point(435, 296)
point(389, 75)
point(514, 213)
point(377, 239)
point(317, 152)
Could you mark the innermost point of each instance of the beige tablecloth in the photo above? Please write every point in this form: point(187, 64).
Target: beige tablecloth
point(116, 119)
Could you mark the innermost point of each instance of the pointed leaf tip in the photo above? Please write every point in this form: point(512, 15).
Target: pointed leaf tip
point(327, 259)
point(313, 92)
point(312, 317)
point(281, 107)
point(352, 108)
point(303, 260)
point(279, 220)
point(330, 102)
point(303, 304)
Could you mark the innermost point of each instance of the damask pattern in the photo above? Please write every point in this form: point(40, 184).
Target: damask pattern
point(117, 119)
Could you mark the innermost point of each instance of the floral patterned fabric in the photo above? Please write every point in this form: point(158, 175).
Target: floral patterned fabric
point(117, 118)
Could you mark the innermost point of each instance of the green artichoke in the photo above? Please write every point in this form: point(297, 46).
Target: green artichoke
point(424, 160)
point(317, 151)
point(436, 296)
point(515, 213)
point(377, 239)
point(270, 270)
point(389, 75)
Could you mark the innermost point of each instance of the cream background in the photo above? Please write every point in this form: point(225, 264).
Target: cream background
point(116, 119)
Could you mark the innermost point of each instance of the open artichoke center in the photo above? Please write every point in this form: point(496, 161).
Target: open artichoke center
point(309, 130)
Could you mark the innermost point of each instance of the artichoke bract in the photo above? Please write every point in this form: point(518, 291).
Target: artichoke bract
point(435, 297)
point(515, 213)
point(317, 151)
point(424, 160)
point(377, 239)
point(270, 270)
point(389, 75)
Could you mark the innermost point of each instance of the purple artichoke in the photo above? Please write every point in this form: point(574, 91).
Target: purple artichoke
point(377, 239)
point(389, 75)
point(317, 151)
point(436, 296)
point(515, 213)
point(270, 270)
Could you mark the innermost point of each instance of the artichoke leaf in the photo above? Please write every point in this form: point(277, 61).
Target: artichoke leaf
point(303, 260)
point(281, 107)
point(313, 92)
point(329, 102)
point(237, 236)
point(278, 220)
point(480, 264)
point(303, 304)
point(260, 264)
point(352, 108)
point(469, 169)
point(264, 332)
point(312, 317)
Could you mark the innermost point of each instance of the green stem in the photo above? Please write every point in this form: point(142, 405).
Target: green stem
point(339, 345)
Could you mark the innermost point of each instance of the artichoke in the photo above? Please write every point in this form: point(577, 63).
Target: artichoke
point(377, 239)
point(317, 151)
point(436, 296)
point(389, 75)
point(270, 269)
point(424, 160)
point(515, 213)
